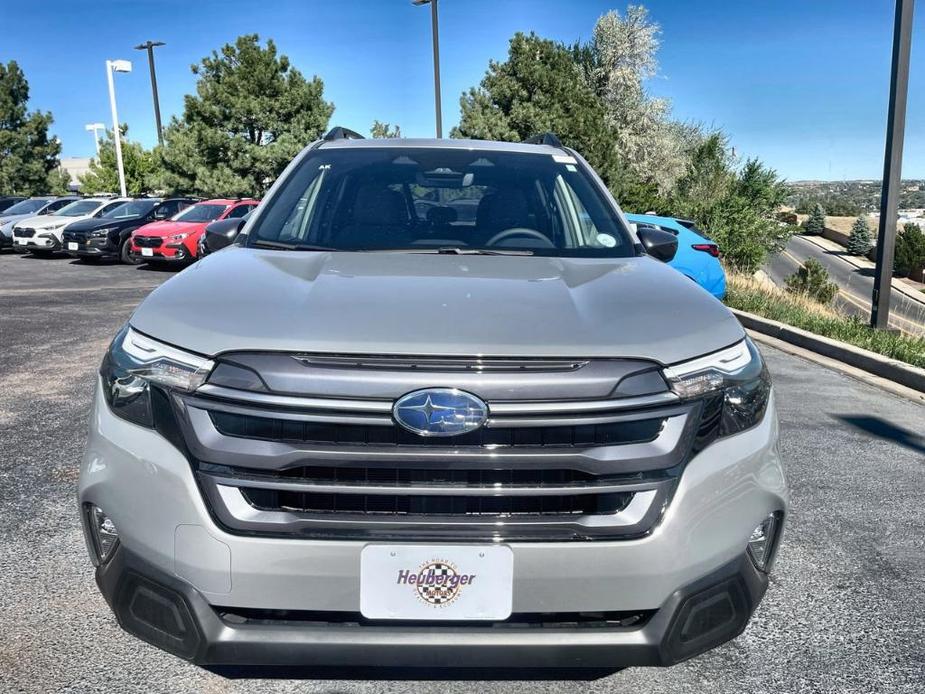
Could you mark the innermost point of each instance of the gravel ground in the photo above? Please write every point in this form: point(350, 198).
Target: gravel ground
point(844, 612)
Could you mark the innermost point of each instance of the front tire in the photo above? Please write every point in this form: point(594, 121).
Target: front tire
point(125, 252)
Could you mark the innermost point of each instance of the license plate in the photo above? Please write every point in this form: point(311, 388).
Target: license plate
point(147, 252)
point(72, 246)
point(436, 582)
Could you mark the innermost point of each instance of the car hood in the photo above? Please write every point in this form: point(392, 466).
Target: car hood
point(93, 223)
point(168, 227)
point(13, 218)
point(48, 220)
point(403, 303)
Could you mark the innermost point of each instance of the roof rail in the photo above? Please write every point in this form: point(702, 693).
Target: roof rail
point(544, 139)
point(339, 133)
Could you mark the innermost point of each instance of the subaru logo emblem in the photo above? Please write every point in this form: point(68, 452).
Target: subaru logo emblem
point(440, 412)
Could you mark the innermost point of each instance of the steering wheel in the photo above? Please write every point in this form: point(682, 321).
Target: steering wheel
point(518, 231)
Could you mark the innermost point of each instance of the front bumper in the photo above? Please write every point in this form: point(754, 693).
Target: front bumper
point(169, 613)
point(48, 243)
point(89, 247)
point(168, 536)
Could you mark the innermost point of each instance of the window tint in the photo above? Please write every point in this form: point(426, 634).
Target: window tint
point(388, 198)
point(135, 208)
point(200, 213)
point(109, 207)
point(79, 208)
point(240, 210)
point(24, 207)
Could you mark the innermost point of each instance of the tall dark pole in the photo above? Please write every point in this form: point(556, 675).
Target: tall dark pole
point(892, 164)
point(149, 46)
point(436, 32)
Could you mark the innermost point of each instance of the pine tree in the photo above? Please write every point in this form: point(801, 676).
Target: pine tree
point(859, 242)
point(816, 222)
point(812, 280)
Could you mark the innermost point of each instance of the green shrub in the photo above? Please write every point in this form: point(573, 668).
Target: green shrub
point(859, 242)
point(813, 281)
point(910, 250)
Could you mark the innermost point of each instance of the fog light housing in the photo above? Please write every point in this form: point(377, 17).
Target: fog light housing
point(762, 543)
point(103, 533)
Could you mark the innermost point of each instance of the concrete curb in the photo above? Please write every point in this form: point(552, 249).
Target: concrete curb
point(883, 367)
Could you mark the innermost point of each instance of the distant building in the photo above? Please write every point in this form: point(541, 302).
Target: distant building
point(75, 167)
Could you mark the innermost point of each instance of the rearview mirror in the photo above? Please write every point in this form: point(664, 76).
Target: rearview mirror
point(222, 233)
point(661, 245)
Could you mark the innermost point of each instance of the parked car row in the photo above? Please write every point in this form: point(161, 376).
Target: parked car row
point(127, 229)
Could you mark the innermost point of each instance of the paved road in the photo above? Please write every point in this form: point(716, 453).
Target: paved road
point(856, 286)
point(844, 613)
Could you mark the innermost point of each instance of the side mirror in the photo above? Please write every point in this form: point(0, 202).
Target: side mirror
point(661, 245)
point(161, 213)
point(222, 233)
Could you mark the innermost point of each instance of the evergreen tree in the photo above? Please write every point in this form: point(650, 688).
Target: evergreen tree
point(859, 242)
point(539, 89)
point(816, 222)
point(251, 114)
point(27, 154)
point(909, 258)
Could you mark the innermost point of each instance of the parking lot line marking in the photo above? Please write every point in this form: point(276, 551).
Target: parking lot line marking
point(71, 290)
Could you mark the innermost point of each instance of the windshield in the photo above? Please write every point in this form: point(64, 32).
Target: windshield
point(79, 208)
point(442, 200)
point(200, 213)
point(24, 207)
point(136, 208)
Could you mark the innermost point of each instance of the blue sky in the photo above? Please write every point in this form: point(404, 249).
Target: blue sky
point(800, 84)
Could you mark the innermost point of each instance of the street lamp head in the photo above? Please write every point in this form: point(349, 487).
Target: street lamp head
point(93, 127)
point(149, 44)
point(120, 65)
point(418, 3)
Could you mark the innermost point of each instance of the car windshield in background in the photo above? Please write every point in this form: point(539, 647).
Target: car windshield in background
point(79, 208)
point(200, 213)
point(136, 208)
point(431, 199)
point(24, 207)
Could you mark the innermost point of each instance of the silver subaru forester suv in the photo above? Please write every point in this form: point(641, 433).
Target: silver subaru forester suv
point(439, 404)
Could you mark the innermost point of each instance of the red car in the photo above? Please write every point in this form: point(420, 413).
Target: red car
point(176, 240)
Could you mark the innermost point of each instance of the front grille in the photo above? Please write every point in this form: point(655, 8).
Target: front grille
point(148, 241)
point(24, 233)
point(592, 450)
point(267, 428)
point(436, 506)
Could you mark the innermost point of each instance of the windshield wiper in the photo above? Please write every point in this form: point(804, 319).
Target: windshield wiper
point(456, 250)
point(283, 246)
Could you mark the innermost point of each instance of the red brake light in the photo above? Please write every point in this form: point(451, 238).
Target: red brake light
point(710, 248)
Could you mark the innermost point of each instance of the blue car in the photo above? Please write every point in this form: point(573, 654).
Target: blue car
point(697, 256)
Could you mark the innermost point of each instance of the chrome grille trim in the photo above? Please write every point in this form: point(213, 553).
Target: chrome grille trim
point(509, 408)
point(633, 520)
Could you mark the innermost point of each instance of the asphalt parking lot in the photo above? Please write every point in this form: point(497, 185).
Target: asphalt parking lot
point(844, 612)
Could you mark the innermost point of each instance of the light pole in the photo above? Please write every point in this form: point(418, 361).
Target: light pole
point(111, 67)
point(95, 129)
point(150, 46)
point(436, 33)
point(892, 164)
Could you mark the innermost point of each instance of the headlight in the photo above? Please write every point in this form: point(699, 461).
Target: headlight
point(737, 373)
point(135, 363)
point(102, 232)
point(177, 237)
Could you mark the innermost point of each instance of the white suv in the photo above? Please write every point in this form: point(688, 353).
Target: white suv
point(42, 234)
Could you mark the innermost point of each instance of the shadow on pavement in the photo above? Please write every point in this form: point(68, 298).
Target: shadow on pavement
point(875, 426)
point(412, 674)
